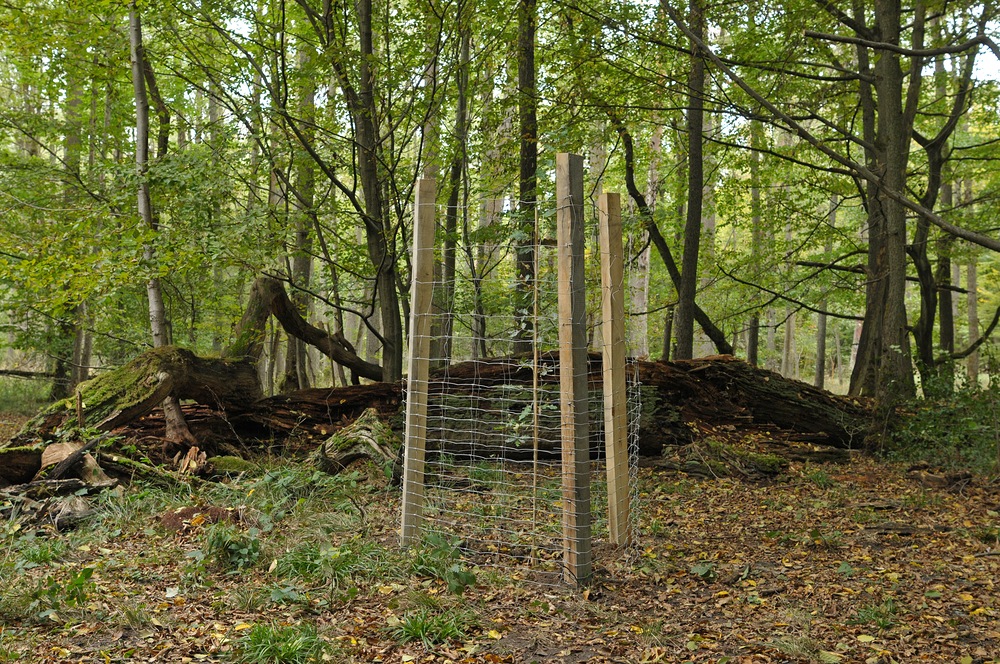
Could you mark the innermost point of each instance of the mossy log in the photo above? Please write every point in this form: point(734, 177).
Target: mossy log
point(716, 390)
point(136, 388)
point(679, 399)
point(19, 464)
point(128, 470)
point(367, 437)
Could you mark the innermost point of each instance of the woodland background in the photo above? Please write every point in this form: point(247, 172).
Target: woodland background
point(792, 170)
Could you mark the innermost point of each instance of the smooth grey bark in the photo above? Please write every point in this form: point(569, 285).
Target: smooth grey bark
point(177, 429)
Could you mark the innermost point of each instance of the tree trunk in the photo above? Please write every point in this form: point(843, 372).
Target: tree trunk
point(972, 285)
point(756, 235)
point(177, 429)
point(883, 367)
point(304, 220)
point(638, 331)
point(125, 394)
point(527, 105)
point(684, 325)
point(379, 232)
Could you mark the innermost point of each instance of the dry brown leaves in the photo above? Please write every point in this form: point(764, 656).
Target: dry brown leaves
point(850, 563)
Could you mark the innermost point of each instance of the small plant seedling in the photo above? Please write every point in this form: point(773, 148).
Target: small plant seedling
point(831, 540)
point(440, 558)
point(705, 571)
point(231, 549)
point(821, 479)
point(880, 615)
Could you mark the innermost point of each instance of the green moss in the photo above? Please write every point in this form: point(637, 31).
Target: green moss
point(770, 464)
point(369, 424)
point(765, 463)
point(233, 464)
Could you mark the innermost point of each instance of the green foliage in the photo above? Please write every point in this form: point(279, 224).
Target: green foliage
point(290, 644)
point(705, 571)
point(880, 615)
point(53, 594)
point(440, 557)
point(821, 478)
point(957, 432)
point(22, 397)
point(431, 627)
point(827, 540)
point(355, 561)
point(35, 551)
point(230, 549)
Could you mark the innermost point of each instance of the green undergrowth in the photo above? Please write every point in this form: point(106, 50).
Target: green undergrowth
point(958, 432)
point(21, 396)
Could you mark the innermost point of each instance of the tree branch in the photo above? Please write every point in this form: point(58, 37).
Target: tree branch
point(862, 171)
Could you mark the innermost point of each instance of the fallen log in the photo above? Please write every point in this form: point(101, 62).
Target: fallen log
point(477, 409)
point(676, 397)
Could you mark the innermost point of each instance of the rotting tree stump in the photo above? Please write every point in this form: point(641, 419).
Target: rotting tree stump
point(368, 437)
point(125, 394)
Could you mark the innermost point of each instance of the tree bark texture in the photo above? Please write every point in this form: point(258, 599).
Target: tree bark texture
point(684, 326)
point(527, 105)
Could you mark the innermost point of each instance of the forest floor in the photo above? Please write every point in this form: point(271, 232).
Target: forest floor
point(857, 562)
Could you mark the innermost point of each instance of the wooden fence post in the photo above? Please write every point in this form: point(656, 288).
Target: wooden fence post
point(573, 370)
point(421, 293)
point(615, 395)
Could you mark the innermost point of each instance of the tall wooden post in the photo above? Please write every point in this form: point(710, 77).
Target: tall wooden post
point(573, 370)
point(613, 333)
point(421, 292)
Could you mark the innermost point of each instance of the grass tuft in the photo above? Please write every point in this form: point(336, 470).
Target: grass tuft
point(291, 644)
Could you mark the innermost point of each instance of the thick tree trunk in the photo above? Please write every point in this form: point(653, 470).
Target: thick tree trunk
point(883, 367)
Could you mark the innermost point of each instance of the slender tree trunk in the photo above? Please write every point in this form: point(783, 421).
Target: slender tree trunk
point(527, 105)
point(456, 185)
point(789, 365)
point(696, 182)
point(296, 375)
point(820, 377)
point(177, 429)
point(68, 332)
point(379, 231)
point(972, 285)
point(942, 276)
point(756, 235)
point(638, 330)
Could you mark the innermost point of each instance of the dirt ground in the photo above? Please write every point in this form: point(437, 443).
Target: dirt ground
point(858, 562)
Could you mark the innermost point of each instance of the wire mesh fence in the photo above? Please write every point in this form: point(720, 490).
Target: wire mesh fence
point(493, 473)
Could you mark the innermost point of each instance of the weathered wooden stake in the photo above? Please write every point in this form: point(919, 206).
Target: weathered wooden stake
point(613, 333)
point(421, 292)
point(573, 370)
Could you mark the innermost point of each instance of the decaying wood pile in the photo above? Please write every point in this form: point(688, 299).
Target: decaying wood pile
point(680, 400)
